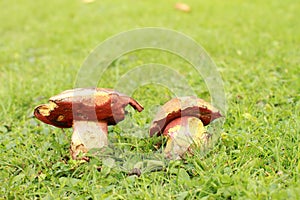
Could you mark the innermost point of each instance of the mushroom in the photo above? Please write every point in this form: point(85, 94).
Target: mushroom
point(182, 121)
point(89, 111)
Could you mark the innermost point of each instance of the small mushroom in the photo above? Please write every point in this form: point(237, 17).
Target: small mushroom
point(182, 121)
point(89, 111)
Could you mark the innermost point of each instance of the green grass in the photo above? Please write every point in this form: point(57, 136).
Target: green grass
point(255, 45)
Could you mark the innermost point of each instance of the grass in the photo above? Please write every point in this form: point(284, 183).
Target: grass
point(255, 45)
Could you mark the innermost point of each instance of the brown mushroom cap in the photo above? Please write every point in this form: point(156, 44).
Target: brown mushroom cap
point(180, 107)
point(85, 104)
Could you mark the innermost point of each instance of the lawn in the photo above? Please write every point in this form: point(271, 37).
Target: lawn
point(255, 45)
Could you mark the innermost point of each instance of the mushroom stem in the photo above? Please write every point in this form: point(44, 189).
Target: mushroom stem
point(88, 135)
point(182, 133)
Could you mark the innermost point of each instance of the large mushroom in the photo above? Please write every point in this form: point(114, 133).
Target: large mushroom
point(89, 111)
point(182, 121)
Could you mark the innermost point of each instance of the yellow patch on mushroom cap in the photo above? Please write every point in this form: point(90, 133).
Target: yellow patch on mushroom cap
point(60, 118)
point(101, 98)
point(46, 109)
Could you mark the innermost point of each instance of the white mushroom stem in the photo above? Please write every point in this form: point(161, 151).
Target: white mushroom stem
point(88, 135)
point(182, 133)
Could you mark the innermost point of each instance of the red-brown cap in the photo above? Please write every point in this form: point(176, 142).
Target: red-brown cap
point(180, 107)
point(85, 104)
